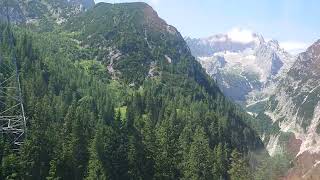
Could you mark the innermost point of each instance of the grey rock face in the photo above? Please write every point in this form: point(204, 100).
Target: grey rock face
point(247, 68)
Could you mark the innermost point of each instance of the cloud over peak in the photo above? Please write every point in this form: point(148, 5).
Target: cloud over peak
point(241, 35)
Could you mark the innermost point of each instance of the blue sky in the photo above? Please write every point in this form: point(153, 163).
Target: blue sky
point(294, 23)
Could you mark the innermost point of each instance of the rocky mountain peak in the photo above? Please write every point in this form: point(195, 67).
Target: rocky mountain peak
point(259, 38)
point(314, 50)
point(236, 40)
point(274, 43)
point(251, 63)
point(154, 21)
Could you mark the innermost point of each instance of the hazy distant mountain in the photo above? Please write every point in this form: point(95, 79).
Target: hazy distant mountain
point(250, 64)
point(206, 47)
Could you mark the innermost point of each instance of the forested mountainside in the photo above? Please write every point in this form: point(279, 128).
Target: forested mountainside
point(115, 93)
point(135, 43)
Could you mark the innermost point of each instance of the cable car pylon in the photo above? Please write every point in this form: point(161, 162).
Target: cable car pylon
point(12, 113)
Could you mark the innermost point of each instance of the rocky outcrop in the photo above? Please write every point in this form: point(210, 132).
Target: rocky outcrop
point(295, 109)
point(306, 167)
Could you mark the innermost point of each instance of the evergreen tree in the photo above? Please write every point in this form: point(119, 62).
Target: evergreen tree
point(199, 161)
point(96, 170)
point(239, 168)
point(53, 172)
point(83, 124)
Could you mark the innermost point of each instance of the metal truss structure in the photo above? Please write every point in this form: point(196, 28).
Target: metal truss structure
point(12, 113)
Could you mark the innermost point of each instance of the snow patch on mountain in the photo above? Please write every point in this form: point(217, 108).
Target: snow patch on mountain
point(245, 66)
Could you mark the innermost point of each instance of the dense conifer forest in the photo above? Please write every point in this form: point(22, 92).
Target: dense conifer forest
point(84, 122)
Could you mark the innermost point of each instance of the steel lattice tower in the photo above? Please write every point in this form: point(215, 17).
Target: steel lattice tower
point(12, 114)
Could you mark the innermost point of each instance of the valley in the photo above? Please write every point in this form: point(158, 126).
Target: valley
point(275, 87)
point(113, 91)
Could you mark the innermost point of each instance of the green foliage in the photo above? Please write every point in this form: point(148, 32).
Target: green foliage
point(239, 169)
point(10, 167)
point(93, 68)
point(257, 107)
point(83, 125)
point(306, 110)
point(199, 163)
point(130, 40)
point(266, 125)
point(273, 168)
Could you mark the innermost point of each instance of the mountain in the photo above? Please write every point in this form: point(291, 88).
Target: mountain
point(133, 54)
point(280, 90)
point(32, 11)
point(206, 47)
point(115, 93)
point(244, 68)
point(294, 110)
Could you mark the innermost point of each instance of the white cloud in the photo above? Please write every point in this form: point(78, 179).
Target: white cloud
point(294, 47)
point(246, 36)
point(241, 35)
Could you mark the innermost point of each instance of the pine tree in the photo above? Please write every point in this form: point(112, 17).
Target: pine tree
point(96, 171)
point(10, 167)
point(53, 172)
point(36, 151)
point(167, 157)
point(198, 165)
point(220, 161)
point(239, 169)
point(79, 141)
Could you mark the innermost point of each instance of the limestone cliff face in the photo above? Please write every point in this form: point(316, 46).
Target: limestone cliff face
point(295, 109)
